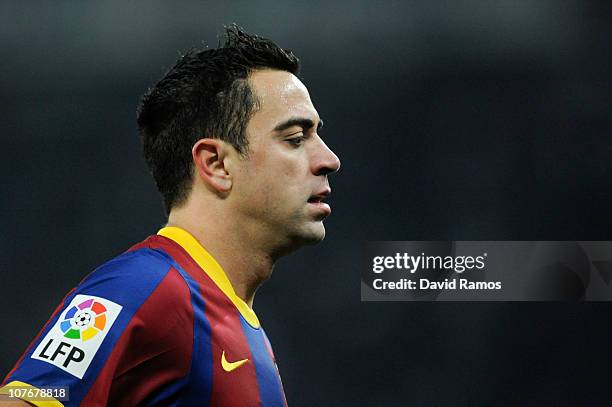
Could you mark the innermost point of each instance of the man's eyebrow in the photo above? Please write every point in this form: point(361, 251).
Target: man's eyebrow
point(302, 122)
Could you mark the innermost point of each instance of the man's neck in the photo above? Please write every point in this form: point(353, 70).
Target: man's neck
point(245, 265)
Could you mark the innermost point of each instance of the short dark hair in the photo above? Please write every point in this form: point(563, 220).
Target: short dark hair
point(205, 94)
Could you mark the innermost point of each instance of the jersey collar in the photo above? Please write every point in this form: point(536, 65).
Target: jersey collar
point(211, 268)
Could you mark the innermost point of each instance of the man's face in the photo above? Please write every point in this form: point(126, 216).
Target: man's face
point(280, 186)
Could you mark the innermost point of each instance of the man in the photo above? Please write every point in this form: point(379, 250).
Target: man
point(230, 136)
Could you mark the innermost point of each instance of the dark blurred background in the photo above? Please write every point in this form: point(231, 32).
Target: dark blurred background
point(454, 120)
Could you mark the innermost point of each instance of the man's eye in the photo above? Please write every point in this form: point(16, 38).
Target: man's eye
point(296, 141)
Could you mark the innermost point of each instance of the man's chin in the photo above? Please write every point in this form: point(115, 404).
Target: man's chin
point(301, 238)
point(310, 234)
point(315, 233)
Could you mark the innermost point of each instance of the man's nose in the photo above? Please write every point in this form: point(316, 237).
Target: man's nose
point(325, 161)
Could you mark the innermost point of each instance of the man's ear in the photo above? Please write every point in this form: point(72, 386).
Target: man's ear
point(209, 158)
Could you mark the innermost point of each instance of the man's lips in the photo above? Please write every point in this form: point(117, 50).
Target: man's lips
point(316, 201)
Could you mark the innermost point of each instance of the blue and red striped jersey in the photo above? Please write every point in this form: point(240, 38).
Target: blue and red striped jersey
point(158, 325)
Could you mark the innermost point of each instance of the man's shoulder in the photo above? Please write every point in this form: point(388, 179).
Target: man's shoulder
point(134, 275)
point(139, 265)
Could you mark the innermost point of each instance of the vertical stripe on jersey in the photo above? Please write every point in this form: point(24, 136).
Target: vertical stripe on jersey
point(237, 387)
point(271, 353)
point(201, 372)
point(268, 380)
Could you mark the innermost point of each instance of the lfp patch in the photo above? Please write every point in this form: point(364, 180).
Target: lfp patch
point(77, 335)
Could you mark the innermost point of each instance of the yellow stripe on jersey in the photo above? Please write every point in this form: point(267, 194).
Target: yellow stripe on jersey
point(211, 268)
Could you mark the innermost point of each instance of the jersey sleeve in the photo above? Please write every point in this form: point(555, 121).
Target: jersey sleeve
point(122, 336)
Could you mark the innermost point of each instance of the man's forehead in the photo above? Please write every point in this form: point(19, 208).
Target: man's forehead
point(272, 82)
point(281, 95)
